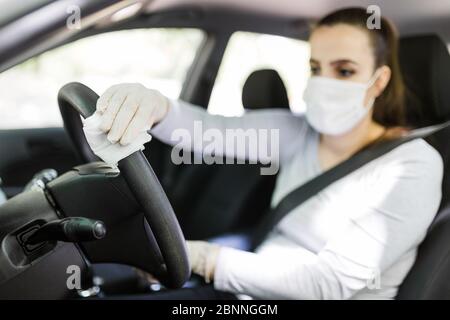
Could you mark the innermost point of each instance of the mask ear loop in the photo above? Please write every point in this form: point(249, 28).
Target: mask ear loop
point(373, 78)
point(369, 85)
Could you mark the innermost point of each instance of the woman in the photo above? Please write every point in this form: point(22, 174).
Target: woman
point(358, 238)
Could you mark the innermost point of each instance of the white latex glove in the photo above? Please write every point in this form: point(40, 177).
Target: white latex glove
point(203, 256)
point(128, 109)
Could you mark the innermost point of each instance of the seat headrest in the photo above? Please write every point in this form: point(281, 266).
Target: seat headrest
point(264, 89)
point(425, 64)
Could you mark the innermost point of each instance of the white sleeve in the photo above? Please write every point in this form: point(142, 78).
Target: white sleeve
point(192, 128)
point(399, 208)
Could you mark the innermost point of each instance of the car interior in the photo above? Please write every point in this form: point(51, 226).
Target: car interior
point(209, 201)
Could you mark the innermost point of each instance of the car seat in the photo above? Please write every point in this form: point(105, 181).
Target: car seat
point(214, 199)
point(425, 63)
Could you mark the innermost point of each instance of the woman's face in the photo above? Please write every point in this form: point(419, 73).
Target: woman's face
point(344, 52)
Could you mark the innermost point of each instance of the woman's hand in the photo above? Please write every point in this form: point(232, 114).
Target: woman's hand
point(203, 257)
point(128, 109)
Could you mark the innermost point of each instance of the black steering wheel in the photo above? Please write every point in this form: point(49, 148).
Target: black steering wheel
point(76, 99)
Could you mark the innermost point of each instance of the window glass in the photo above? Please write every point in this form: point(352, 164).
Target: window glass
point(157, 58)
point(247, 52)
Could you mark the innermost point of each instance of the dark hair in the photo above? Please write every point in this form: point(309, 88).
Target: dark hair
point(388, 108)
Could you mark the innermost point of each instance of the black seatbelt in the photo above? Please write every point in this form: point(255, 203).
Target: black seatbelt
point(317, 184)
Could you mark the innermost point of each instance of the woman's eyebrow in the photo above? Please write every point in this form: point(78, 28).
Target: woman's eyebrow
point(335, 62)
point(343, 61)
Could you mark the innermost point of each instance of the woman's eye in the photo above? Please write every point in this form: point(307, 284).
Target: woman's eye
point(346, 73)
point(315, 70)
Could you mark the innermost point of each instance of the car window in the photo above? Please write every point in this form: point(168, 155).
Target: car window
point(247, 52)
point(157, 58)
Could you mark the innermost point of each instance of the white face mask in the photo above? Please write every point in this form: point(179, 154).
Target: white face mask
point(336, 106)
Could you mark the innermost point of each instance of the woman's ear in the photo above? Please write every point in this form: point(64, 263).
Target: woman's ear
point(384, 75)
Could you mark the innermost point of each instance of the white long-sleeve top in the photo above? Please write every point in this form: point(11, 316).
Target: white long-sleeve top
point(357, 239)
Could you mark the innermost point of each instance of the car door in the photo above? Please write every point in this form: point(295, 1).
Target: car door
point(31, 134)
point(24, 152)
